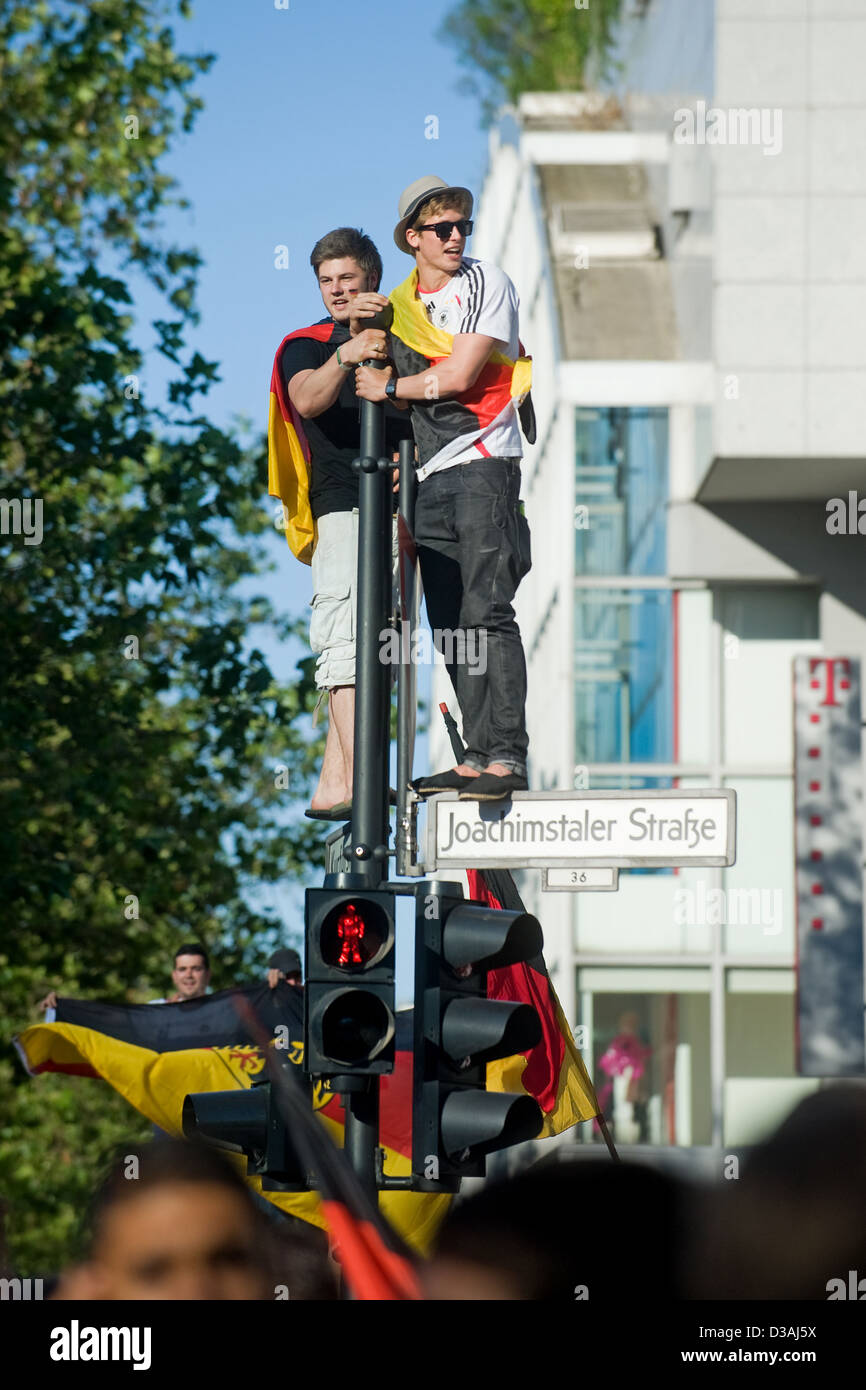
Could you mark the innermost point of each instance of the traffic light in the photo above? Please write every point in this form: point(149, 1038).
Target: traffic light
point(349, 1005)
point(455, 1120)
point(247, 1122)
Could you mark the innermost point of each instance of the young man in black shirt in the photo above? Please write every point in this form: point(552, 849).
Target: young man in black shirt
point(463, 373)
point(317, 366)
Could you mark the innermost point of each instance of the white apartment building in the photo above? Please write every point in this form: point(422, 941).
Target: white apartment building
point(695, 304)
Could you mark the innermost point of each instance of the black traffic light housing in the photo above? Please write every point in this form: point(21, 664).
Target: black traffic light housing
point(247, 1122)
point(349, 1004)
point(455, 1120)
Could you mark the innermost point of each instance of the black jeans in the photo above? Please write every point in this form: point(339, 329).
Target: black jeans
point(473, 545)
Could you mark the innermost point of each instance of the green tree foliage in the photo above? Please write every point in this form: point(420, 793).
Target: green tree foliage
point(140, 738)
point(514, 46)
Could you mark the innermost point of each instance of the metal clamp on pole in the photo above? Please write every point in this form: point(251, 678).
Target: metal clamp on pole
point(337, 854)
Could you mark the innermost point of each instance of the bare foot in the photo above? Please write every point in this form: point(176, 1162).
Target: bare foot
point(465, 771)
point(326, 797)
point(498, 770)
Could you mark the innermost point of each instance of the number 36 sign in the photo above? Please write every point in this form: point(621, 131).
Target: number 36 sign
point(579, 880)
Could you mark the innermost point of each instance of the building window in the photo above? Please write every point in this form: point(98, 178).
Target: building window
point(761, 1082)
point(621, 491)
point(623, 675)
point(763, 629)
point(623, 634)
point(759, 1023)
point(758, 903)
point(646, 1041)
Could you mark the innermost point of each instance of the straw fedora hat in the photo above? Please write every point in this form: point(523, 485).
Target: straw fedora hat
point(412, 198)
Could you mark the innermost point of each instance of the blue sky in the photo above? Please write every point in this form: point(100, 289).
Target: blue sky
point(315, 117)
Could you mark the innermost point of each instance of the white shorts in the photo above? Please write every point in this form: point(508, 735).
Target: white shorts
point(335, 601)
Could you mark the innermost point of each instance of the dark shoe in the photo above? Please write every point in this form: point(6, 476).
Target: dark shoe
point(489, 787)
point(441, 782)
point(342, 811)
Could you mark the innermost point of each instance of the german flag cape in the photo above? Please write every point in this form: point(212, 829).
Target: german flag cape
point(553, 1071)
point(156, 1054)
point(289, 453)
point(501, 379)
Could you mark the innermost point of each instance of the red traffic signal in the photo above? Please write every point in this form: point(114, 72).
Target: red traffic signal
point(355, 933)
point(349, 1013)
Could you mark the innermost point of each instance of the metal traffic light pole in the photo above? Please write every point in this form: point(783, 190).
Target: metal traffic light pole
point(406, 693)
point(370, 818)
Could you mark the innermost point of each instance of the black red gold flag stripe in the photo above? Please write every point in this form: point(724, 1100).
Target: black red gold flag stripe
point(289, 453)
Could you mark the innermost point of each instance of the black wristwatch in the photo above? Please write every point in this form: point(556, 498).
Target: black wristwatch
point(391, 388)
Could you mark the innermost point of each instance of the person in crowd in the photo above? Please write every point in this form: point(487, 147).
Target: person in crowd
point(190, 974)
point(284, 964)
point(566, 1231)
point(793, 1224)
point(174, 1220)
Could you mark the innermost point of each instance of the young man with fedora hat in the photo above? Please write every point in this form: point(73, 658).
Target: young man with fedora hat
point(462, 372)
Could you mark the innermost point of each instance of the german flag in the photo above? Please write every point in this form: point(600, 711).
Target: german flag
point(553, 1071)
point(156, 1054)
point(289, 453)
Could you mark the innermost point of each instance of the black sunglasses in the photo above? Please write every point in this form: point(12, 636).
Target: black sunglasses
point(444, 229)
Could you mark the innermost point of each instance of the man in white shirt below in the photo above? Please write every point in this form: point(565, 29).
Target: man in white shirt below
point(455, 343)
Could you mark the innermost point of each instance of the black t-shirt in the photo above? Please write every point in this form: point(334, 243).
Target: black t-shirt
point(334, 436)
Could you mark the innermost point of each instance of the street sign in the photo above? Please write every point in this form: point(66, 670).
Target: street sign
point(580, 880)
point(617, 829)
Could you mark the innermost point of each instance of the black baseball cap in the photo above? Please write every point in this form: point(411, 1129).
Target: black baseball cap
point(287, 960)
